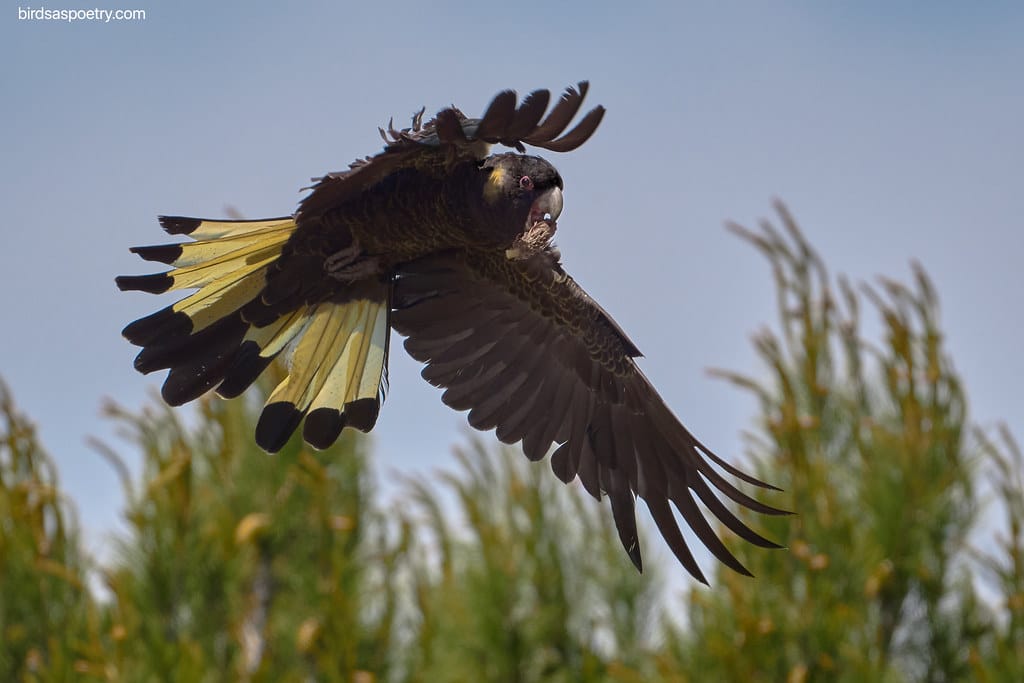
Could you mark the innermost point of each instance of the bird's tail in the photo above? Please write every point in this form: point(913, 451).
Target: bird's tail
point(228, 331)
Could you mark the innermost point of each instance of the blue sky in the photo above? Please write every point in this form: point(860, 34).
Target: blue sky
point(893, 133)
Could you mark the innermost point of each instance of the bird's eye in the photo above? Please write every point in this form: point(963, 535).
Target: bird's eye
point(526, 182)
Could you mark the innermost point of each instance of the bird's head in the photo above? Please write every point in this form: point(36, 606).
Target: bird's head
point(526, 193)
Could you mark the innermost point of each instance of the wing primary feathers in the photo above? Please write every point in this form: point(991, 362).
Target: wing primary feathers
point(457, 394)
point(503, 123)
point(546, 430)
point(495, 411)
point(578, 135)
point(725, 515)
point(589, 469)
point(423, 350)
point(666, 523)
point(691, 513)
point(625, 444)
point(624, 516)
point(565, 461)
point(683, 444)
point(449, 127)
point(489, 411)
point(600, 434)
point(560, 464)
point(498, 117)
point(560, 116)
point(554, 368)
point(529, 114)
point(734, 471)
point(528, 407)
point(731, 491)
point(441, 371)
point(650, 474)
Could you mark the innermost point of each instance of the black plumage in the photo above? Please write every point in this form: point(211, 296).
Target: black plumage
point(450, 246)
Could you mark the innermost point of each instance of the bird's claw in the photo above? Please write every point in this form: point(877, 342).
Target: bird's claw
point(350, 265)
point(533, 241)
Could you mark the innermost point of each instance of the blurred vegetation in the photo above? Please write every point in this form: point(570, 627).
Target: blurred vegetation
point(905, 562)
point(871, 441)
point(48, 616)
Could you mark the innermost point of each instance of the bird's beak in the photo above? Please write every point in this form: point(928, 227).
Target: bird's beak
point(547, 207)
point(540, 226)
point(551, 202)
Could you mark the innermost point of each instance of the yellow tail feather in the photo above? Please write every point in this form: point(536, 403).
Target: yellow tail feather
point(225, 333)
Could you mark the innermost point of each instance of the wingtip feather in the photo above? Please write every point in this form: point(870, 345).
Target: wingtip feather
point(166, 321)
point(162, 253)
point(178, 225)
point(157, 283)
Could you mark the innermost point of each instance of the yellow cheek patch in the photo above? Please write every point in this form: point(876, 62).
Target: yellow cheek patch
point(494, 185)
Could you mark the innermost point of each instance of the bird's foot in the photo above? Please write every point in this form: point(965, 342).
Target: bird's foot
point(533, 241)
point(344, 257)
point(351, 265)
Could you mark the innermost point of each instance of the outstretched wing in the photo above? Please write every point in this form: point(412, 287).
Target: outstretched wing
point(522, 347)
point(452, 136)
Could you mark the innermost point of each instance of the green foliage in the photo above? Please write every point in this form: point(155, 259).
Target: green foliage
point(267, 567)
point(530, 584)
point(870, 442)
point(998, 655)
point(48, 628)
point(241, 566)
point(251, 567)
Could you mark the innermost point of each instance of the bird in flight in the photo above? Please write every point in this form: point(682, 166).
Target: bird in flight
point(450, 245)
